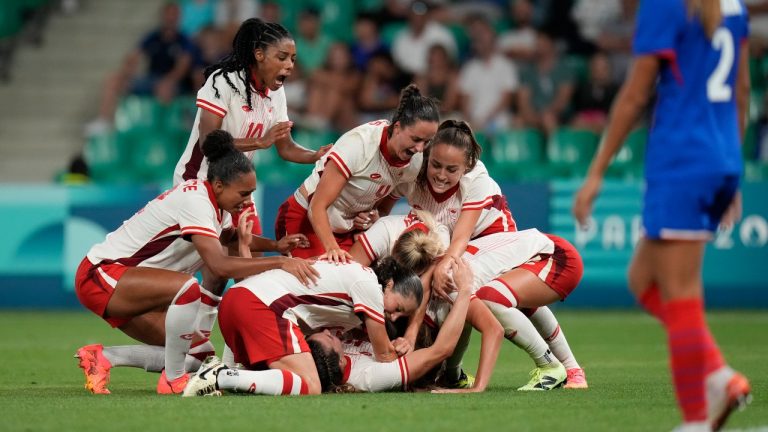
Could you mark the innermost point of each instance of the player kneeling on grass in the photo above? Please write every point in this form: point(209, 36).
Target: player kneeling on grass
point(140, 278)
point(260, 319)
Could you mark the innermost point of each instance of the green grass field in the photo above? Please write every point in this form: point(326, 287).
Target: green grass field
point(624, 355)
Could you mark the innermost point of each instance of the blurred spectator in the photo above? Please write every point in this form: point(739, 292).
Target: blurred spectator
point(270, 12)
point(488, 81)
point(591, 16)
point(168, 55)
point(392, 11)
point(519, 43)
point(210, 47)
point(441, 80)
point(331, 92)
point(559, 23)
point(412, 43)
point(758, 26)
point(196, 14)
point(367, 40)
point(546, 88)
point(615, 39)
point(380, 91)
point(230, 13)
point(593, 97)
point(311, 44)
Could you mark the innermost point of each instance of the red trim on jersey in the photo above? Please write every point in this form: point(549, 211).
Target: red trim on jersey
point(374, 315)
point(192, 167)
point(418, 226)
point(190, 230)
point(166, 231)
point(211, 108)
point(471, 249)
point(478, 205)
point(670, 57)
point(347, 370)
point(342, 296)
point(345, 171)
point(287, 382)
point(429, 322)
point(440, 197)
point(391, 160)
point(212, 197)
point(149, 250)
point(367, 247)
point(261, 90)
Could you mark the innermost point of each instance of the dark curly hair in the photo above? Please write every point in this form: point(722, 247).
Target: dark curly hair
point(253, 34)
point(225, 162)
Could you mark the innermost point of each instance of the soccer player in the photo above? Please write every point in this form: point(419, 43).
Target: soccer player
point(695, 55)
point(243, 95)
point(260, 319)
point(140, 278)
point(341, 196)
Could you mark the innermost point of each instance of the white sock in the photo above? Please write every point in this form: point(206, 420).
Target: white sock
point(546, 323)
point(228, 357)
point(453, 363)
point(519, 330)
point(151, 358)
point(180, 325)
point(273, 382)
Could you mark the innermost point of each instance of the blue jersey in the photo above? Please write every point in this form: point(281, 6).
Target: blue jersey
point(695, 127)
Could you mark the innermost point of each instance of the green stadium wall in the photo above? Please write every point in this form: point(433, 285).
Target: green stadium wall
point(48, 230)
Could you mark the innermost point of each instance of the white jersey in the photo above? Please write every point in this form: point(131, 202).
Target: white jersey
point(493, 255)
point(268, 109)
point(379, 240)
point(159, 234)
point(365, 374)
point(342, 293)
point(475, 191)
point(363, 159)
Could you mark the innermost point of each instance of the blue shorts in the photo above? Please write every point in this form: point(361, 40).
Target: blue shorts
point(687, 209)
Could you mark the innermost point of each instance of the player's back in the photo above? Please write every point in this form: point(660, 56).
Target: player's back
point(695, 128)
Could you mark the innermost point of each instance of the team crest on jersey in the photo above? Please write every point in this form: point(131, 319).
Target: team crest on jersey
point(246, 108)
point(375, 176)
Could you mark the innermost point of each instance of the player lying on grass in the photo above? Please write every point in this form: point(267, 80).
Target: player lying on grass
point(416, 240)
point(349, 365)
point(260, 317)
point(140, 278)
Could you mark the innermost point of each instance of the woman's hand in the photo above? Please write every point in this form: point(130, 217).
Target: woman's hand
point(582, 204)
point(321, 152)
point(275, 133)
point(302, 269)
point(290, 242)
point(462, 274)
point(336, 255)
point(442, 281)
point(244, 233)
point(402, 346)
point(365, 219)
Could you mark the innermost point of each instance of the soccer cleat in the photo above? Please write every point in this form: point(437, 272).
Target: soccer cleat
point(546, 378)
point(464, 381)
point(203, 383)
point(171, 387)
point(692, 427)
point(727, 391)
point(576, 379)
point(95, 367)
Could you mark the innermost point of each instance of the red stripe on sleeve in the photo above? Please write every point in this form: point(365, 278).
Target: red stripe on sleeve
point(376, 316)
point(340, 163)
point(367, 247)
point(212, 108)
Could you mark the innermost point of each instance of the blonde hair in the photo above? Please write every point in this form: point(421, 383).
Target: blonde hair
point(416, 249)
point(709, 12)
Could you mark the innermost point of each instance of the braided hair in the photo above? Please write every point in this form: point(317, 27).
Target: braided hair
point(225, 162)
point(456, 133)
point(253, 34)
point(414, 107)
point(327, 365)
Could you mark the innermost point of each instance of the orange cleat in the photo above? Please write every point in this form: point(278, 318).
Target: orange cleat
point(171, 387)
point(576, 379)
point(726, 393)
point(95, 367)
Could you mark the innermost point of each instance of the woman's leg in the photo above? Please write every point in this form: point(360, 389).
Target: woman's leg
point(294, 374)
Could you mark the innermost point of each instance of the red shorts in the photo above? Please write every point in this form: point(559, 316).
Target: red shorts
point(256, 336)
point(561, 270)
point(256, 230)
point(292, 218)
point(94, 286)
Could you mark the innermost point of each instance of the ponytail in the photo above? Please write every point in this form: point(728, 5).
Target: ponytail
point(456, 133)
point(417, 249)
point(414, 107)
point(225, 162)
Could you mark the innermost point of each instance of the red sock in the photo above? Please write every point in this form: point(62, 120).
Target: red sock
point(692, 355)
point(650, 300)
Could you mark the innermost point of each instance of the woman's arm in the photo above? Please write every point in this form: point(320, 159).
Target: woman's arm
point(627, 107)
point(210, 122)
point(743, 86)
point(329, 188)
point(414, 323)
point(289, 150)
point(462, 232)
point(383, 351)
point(357, 253)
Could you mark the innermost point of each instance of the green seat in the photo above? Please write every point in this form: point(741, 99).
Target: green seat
point(518, 154)
point(749, 147)
point(153, 154)
point(570, 151)
point(107, 158)
point(135, 112)
point(10, 20)
point(390, 31)
point(628, 162)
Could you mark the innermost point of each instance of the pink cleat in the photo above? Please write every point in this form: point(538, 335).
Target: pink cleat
point(727, 391)
point(171, 387)
point(576, 379)
point(95, 367)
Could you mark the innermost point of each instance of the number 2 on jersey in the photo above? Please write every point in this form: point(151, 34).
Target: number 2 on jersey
point(718, 89)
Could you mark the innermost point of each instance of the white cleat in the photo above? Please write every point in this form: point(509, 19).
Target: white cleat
point(203, 383)
point(727, 391)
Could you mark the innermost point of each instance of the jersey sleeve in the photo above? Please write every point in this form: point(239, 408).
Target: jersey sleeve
point(478, 192)
point(348, 154)
point(367, 297)
point(371, 376)
point(197, 215)
point(658, 25)
point(377, 240)
point(207, 99)
point(281, 107)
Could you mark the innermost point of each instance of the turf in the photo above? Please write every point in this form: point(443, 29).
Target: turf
point(624, 355)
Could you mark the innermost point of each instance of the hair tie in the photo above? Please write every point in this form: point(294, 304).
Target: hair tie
point(418, 226)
